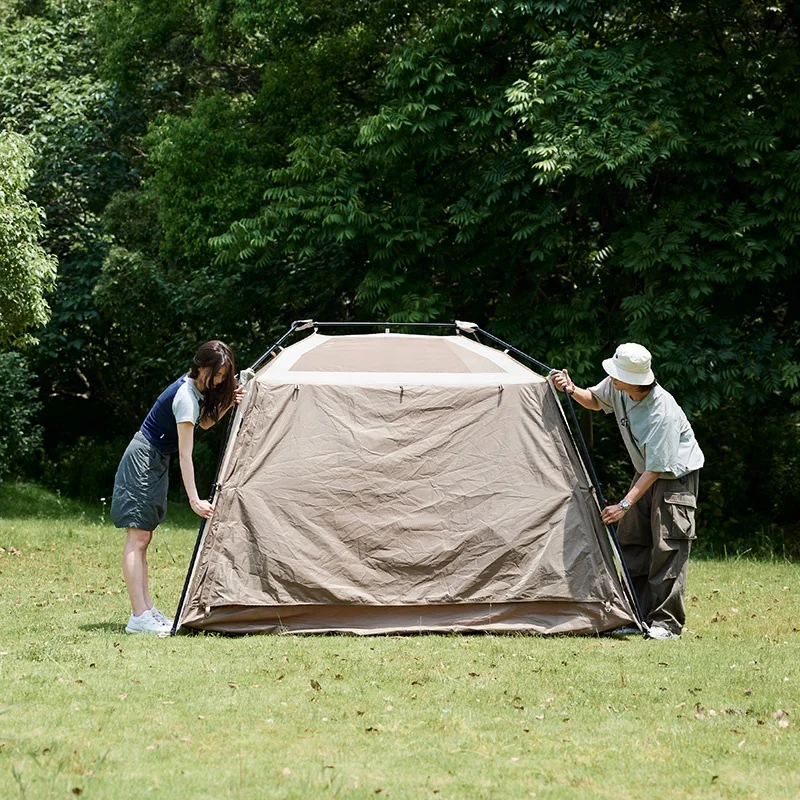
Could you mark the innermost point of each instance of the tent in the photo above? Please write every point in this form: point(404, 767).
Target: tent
point(393, 482)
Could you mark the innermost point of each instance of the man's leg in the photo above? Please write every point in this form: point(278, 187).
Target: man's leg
point(673, 530)
point(635, 539)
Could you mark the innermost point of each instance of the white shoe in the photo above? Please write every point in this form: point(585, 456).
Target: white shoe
point(161, 617)
point(148, 623)
point(657, 632)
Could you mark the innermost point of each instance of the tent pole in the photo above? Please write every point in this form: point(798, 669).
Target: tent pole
point(611, 527)
point(514, 350)
point(200, 532)
point(383, 324)
point(298, 325)
point(593, 475)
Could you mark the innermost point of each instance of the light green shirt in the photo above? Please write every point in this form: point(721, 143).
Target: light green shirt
point(655, 430)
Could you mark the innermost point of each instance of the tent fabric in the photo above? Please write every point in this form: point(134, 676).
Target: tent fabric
point(445, 494)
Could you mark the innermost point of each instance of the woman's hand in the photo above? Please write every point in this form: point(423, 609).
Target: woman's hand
point(202, 508)
point(238, 395)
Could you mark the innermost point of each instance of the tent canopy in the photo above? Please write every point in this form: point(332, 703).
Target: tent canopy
point(394, 482)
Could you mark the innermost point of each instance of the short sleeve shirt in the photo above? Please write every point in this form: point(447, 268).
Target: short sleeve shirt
point(181, 401)
point(656, 432)
point(187, 402)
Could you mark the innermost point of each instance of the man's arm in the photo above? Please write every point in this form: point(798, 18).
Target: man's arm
point(615, 513)
point(561, 380)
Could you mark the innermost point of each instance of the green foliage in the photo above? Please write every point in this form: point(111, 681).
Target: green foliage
point(84, 468)
point(20, 433)
point(569, 174)
point(51, 94)
point(27, 272)
point(589, 171)
point(228, 90)
point(753, 470)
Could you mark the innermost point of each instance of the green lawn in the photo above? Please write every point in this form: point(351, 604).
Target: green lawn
point(87, 710)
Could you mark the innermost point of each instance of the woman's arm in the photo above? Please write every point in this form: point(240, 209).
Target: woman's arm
point(207, 422)
point(185, 446)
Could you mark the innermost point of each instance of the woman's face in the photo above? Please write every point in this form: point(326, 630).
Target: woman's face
point(205, 373)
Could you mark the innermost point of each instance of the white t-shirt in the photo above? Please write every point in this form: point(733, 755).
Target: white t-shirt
point(655, 430)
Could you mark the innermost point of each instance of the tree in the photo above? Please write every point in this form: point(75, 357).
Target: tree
point(51, 94)
point(573, 174)
point(20, 433)
point(27, 272)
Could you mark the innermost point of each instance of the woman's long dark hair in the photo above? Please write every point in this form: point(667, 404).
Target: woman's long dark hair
point(216, 355)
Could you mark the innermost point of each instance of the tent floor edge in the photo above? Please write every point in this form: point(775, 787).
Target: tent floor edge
point(548, 617)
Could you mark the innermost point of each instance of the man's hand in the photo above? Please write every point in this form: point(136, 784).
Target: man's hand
point(611, 514)
point(202, 508)
point(561, 380)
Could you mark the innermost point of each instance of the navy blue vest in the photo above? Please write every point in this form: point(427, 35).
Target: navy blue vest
point(159, 427)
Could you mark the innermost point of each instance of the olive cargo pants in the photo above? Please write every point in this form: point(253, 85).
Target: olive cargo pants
point(656, 537)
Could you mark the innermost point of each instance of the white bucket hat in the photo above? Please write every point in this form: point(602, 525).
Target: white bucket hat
point(630, 364)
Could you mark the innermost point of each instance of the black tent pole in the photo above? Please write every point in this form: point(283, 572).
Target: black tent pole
point(611, 527)
point(203, 521)
point(514, 350)
point(297, 325)
point(300, 324)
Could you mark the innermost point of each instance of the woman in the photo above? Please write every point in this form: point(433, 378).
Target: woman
point(202, 396)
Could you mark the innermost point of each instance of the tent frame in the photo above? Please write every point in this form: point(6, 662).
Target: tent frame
point(460, 328)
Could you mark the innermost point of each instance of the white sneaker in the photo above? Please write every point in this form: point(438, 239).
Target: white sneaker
point(161, 617)
point(147, 623)
point(657, 632)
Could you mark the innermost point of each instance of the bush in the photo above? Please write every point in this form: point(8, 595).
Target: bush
point(20, 435)
point(751, 480)
point(85, 468)
point(748, 486)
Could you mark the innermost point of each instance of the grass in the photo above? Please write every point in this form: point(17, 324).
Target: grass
point(87, 711)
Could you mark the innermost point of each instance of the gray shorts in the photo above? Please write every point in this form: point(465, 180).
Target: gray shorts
point(140, 486)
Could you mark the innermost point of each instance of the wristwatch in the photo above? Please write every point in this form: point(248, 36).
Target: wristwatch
point(624, 504)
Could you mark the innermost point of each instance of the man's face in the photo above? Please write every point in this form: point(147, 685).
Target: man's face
point(621, 386)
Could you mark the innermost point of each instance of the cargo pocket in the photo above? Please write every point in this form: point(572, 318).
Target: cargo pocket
point(678, 518)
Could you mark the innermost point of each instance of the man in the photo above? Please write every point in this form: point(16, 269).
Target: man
point(656, 516)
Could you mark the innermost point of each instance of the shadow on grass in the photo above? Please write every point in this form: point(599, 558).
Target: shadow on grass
point(104, 627)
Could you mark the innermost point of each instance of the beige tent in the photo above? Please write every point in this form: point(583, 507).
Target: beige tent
point(402, 483)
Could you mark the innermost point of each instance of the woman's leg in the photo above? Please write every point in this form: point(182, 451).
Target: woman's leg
point(134, 569)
